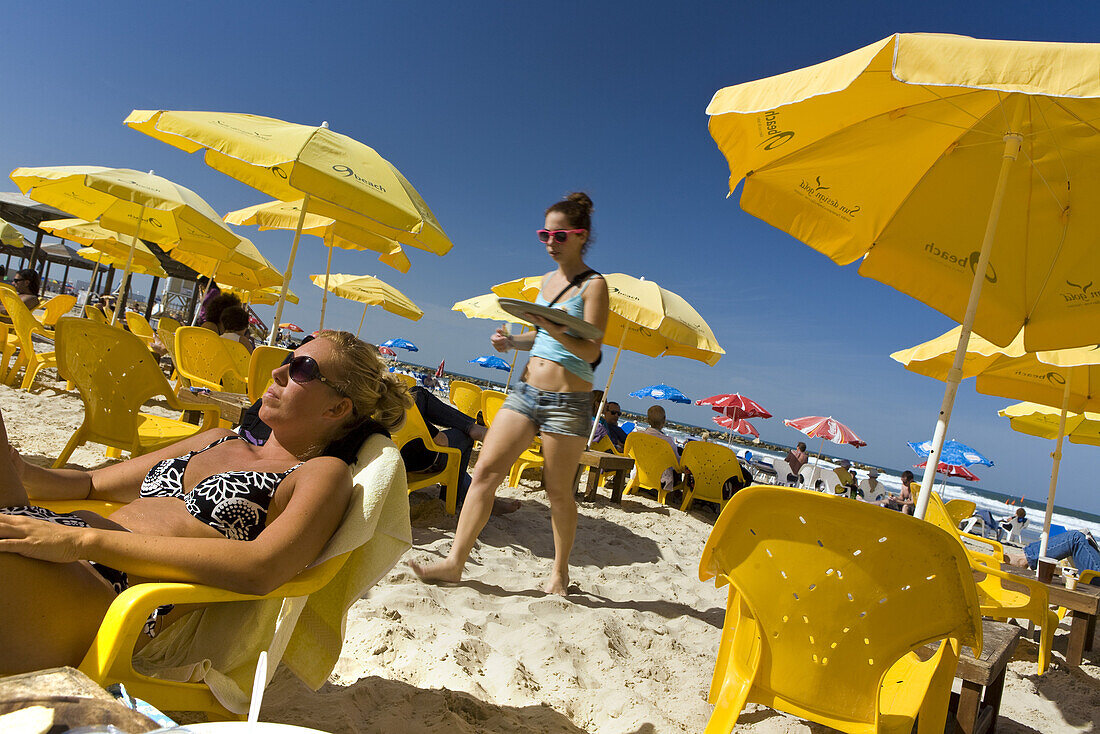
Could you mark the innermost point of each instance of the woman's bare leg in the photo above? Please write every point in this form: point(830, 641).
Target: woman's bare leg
point(509, 435)
point(12, 492)
point(559, 473)
point(49, 612)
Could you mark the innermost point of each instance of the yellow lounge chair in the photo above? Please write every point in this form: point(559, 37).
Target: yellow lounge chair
point(207, 360)
point(415, 427)
point(372, 537)
point(997, 601)
point(652, 456)
point(55, 308)
point(466, 396)
point(25, 326)
point(827, 603)
point(711, 465)
point(261, 363)
point(115, 375)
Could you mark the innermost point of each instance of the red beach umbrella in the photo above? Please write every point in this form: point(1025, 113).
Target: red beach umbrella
point(740, 425)
point(291, 327)
point(735, 406)
point(440, 368)
point(952, 470)
point(387, 351)
point(830, 429)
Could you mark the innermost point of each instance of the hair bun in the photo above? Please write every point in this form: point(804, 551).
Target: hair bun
point(582, 199)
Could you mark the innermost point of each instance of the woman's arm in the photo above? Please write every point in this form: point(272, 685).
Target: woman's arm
point(294, 539)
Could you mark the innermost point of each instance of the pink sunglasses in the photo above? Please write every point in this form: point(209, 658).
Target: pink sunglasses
point(559, 235)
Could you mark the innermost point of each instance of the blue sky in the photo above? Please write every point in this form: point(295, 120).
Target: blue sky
point(495, 109)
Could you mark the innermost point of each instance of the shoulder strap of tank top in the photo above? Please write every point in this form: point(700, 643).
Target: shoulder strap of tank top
point(580, 278)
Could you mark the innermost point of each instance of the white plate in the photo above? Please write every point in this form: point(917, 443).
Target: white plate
point(520, 308)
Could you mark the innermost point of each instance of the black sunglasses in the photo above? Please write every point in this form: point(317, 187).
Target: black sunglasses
point(305, 369)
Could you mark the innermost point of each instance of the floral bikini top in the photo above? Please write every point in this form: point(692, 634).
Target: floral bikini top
point(234, 502)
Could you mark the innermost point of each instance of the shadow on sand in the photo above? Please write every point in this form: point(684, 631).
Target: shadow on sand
point(374, 704)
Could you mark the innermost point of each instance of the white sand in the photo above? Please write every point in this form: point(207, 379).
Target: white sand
point(633, 652)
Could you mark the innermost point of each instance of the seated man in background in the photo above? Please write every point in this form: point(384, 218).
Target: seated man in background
point(797, 458)
point(1014, 525)
point(905, 502)
point(843, 471)
point(656, 418)
point(1081, 547)
point(609, 426)
point(234, 326)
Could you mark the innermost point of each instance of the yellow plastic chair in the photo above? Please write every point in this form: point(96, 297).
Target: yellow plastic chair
point(9, 342)
point(261, 363)
point(531, 458)
point(409, 380)
point(960, 510)
point(55, 308)
point(167, 323)
point(827, 603)
point(491, 400)
point(109, 659)
point(711, 465)
point(115, 375)
point(207, 360)
point(415, 427)
point(605, 445)
point(95, 313)
point(466, 396)
point(25, 325)
point(997, 601)
point(168, 339)
point(652, 455)
point(139, 327)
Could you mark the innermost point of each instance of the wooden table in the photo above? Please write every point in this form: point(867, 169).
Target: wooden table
point(1083, 604)
point(599, 462)
point(983, 677)
point(230, 404)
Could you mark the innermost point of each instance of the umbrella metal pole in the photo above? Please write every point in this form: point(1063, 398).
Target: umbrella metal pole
point(1057, 457)
point(512, 367)
point(361, 319)
point(324, 298)
point(120, 305)
point(954, 376)
point(289, 271)
point(606, 392)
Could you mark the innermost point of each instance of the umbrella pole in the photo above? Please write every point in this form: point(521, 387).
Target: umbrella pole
point(1057, 457)
point(606, 392)
point(120, 305)
point(289, 271)
point(512, 368)
point(361, 319)
point(324, 298)
point(954, 376)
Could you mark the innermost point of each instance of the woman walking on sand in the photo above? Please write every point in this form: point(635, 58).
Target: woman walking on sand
point(554, 398)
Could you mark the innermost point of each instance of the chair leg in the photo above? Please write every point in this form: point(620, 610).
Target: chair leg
point(74, 441)
point(29, 375)
point(686, 504)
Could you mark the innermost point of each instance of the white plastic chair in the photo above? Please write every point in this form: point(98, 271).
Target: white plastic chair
point(783, 472)
point(812, 477)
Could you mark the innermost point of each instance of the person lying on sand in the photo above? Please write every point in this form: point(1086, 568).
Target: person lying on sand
point(212, 509)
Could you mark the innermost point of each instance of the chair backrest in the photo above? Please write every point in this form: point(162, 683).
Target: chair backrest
point(95, 313)
point(811, 476)
point(167, 323)
point(605, 445)
point(409, 380)
point(21, 318)
point(652, 455)
point(139, 327)
point(207, 360)
point(782, 471)
point(491, 400)
point(711, 465)
point(115, 374)
point(414, 427)
point(262, 362)
point(55, 308)
point(831, 482)
point(960, 510)
point(466, 396)
point(834, 593)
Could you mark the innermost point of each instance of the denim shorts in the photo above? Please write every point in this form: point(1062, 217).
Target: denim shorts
point(568, 413)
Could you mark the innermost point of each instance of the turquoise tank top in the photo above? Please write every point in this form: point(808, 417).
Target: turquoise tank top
point(548, 347)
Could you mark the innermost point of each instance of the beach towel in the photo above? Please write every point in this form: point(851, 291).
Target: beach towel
point(221, 643)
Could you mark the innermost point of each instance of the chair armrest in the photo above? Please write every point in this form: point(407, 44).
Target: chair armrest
point(211, 414)
point(100, 507)
point(1035, 589)
point(998, 548)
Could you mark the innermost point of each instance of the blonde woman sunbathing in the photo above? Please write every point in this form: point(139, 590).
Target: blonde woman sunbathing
point(211, 509)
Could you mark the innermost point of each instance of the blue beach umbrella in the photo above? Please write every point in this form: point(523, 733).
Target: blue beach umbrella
point(662, 392)
point(954, 452)
point(399, 343)
point(491, 362)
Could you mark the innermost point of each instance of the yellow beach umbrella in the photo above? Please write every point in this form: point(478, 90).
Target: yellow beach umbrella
point(9, 235)
point(242, 267)
point(1042, 421)
point(334, 175)
point(262, 296)
point(1069, 378)
point(904, 154)
point(142, 205)
point(105, 247)
point(644, 318)
point(286, 214)
point(370, 291)
point(487, 306)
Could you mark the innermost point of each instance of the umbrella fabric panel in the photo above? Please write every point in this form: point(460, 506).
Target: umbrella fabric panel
point(485, 307)
point(826, 428)
point(953, 452)
point(1042, 421)
point(662, 392)
point(370, 290)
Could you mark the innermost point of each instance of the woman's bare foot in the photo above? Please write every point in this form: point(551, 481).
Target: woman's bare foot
point(557, 584)
point(440, 571)
point(505, 505)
